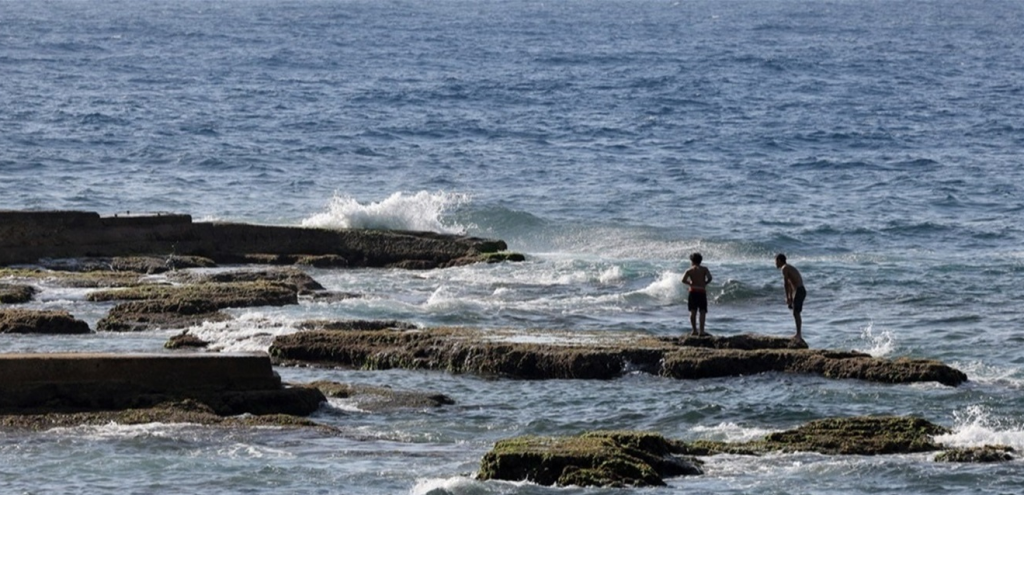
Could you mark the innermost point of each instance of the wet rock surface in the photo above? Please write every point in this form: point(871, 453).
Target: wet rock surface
point(172, 412)
point(71, 279)
point(631, 458)
point(167, 241)
point(229, 384)
point(165, 306)
point(16, 293)
point(21, 321)
point(602, 458)
point(549, 355)
point(379, 398)
point(982, 454)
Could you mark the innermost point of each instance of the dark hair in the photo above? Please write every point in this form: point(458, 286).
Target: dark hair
point(696, 257)
point(780, 257)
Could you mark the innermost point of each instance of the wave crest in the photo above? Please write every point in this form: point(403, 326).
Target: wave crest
point(423, 211)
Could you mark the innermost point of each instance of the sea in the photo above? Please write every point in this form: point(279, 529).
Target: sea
point(879, 144)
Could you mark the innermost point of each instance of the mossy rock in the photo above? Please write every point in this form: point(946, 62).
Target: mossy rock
point(986, 453)
point(94, 279)
point(21, 321)
point(867, 435)
point(16, 293)
point(609, 459)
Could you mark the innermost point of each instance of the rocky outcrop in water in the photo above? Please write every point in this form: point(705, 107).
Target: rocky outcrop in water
point(163, 306)
point(20, 321)
point(16, 293)
point(551, 355)
point(612, 459)
point(630, 458)
point(167, 239)
point(379, 398)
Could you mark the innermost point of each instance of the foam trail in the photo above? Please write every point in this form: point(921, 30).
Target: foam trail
point(422, 211)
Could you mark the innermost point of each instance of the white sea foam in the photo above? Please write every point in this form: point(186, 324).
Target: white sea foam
point(423, 211)
point(610, 275)
point(249, 332)
point(877, 345)
point(976, 425)
point(453, 485)
point(981, 373)
point(730, 432)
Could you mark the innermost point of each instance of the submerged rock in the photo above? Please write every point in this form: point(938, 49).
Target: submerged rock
point(604, 458)
point(22, 321)
point(556, 355)
point(92, 279)
point(173, 412)
point(981, 454)
point(380, 398)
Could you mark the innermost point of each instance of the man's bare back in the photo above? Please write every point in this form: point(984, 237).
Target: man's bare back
point(697, 277)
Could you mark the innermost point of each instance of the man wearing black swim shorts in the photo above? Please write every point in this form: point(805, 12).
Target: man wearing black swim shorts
point(697, 277)
point(795, 291)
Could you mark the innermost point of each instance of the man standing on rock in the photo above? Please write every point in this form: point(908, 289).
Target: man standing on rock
point(795, 291)
point(697, 278)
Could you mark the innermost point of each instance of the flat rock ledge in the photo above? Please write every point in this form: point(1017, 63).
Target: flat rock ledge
point(174, 239)
point(229, 384)
point(23, 321)
point(644, 459)
point(557, 355)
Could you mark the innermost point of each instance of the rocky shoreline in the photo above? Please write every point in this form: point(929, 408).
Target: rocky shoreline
point(113, 255)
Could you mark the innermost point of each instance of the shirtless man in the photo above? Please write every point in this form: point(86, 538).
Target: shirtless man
point(795, 291)
point(697, 278)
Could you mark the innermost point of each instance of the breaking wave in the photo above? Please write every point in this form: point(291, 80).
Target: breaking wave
point(422, 211)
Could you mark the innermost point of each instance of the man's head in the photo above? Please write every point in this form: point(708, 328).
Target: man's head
point(780, 260)
point(696, 258)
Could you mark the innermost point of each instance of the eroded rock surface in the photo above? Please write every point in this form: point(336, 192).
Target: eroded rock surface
point(22, 321)
point(550, 355)
point(631, 458)
point(602, 458)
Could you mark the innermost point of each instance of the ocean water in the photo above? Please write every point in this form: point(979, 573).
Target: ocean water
point(878, 143)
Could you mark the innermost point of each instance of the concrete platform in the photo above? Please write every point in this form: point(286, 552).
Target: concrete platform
point(75, 382)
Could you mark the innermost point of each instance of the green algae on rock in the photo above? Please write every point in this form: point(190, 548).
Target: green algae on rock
point(16, 293)
point(601, 458)
point(982, 454)
point(23, 321)
point(163, 306)
point(176, 412)
point(631, 458)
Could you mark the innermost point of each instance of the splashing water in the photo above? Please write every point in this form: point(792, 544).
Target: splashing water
point(878, 345)
point(422, 211)
point(976, 425)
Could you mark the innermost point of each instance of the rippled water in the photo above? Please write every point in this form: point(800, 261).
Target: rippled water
point(877, 143)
